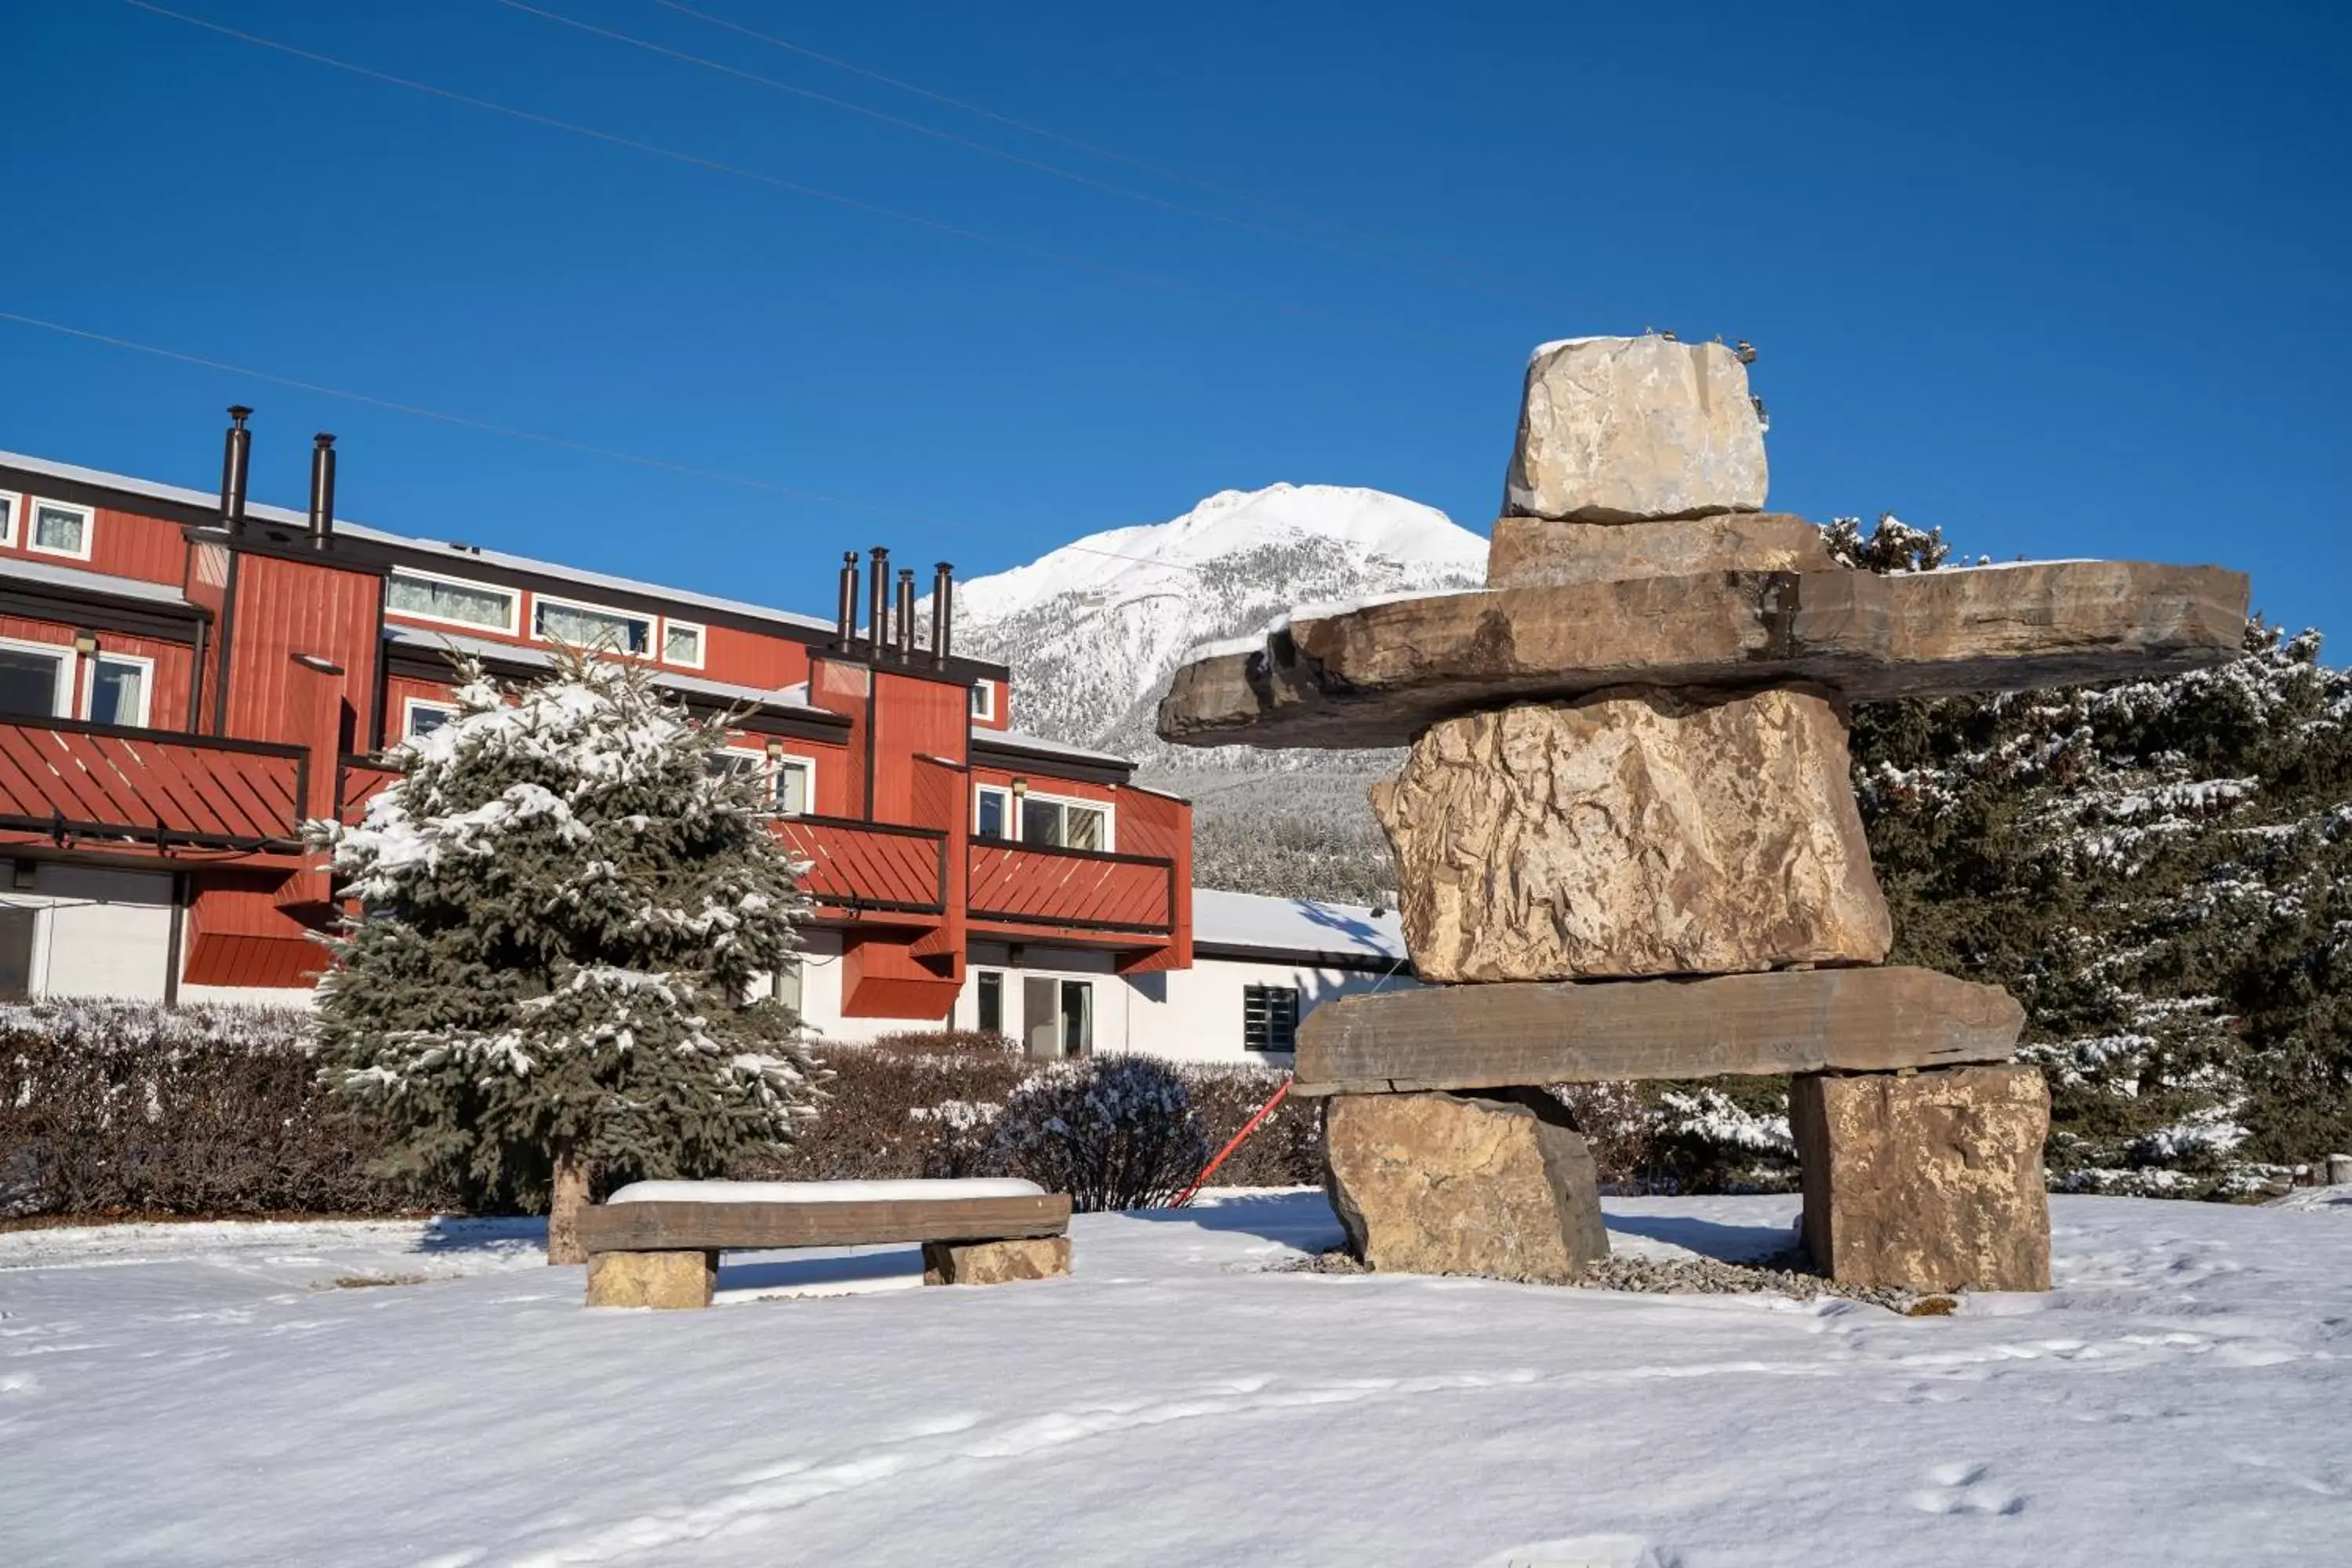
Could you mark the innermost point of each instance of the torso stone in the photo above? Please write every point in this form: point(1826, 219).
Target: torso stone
point(1636, 832)
point(1539, 552)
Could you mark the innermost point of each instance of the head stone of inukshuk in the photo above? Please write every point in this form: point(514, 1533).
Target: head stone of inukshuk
point(1627, 842)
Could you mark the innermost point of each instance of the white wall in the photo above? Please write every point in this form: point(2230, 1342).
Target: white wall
point(100, 932)
point(1197, 1014)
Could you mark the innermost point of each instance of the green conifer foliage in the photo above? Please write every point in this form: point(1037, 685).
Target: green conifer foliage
point(566, 906)
point(2161, 872)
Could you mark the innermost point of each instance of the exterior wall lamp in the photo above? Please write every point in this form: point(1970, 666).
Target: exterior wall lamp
point(85, 642)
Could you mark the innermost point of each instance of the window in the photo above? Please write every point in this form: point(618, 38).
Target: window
point(59, 528)
point(419, 717)
point(1058, 1017)
point(115, 688)
point(784, 984)
point(991, 813)
point(983, 700)
point(18, 930)
point(1065, 824)
point(425, 597)
point(989, 987)
point(586, 625)
point(682, 644)
point(1270, 1017)
point(12, 507)
point(33, 680)
point(786, 784)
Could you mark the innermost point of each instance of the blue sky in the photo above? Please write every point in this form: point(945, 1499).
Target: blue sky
point(2064, 281)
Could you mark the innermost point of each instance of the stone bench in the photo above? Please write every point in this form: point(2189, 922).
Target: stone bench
point(657, 1243)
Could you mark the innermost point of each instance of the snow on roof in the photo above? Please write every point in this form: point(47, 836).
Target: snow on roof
point(457, 554)
point(1347, 932)
point(91, 582)
point(1020, 740)
point(794, 695)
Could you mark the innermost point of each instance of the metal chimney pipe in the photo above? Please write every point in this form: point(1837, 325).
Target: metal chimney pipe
point(846, 620)
point(237, 454)
point(942, 609)
point(322, 489)
point(879, 628)
point(906, 612)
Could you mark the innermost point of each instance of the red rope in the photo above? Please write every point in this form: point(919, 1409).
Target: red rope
point(1248, 1128)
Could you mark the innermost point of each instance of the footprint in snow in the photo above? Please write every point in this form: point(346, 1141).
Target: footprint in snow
point(1584, 1552)
point(1961, 1488)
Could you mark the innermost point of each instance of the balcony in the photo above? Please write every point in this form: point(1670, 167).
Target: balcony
point(99, 786)
point(1072, 890)
point(869, 868)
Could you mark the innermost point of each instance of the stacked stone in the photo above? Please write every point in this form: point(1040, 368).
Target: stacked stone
point(1648, 831)
point(1627, 842)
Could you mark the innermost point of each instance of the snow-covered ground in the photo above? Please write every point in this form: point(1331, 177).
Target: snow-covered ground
point(205, 1395)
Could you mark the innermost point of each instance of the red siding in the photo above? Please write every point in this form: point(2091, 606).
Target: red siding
point(121, 544)
point(238, 936)
point(167, 703)
point(286, 607)
point(912, 718)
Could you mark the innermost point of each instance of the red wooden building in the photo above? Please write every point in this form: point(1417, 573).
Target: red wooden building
point(185, 677)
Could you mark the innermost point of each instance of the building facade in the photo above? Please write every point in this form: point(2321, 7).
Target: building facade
point(185, 678)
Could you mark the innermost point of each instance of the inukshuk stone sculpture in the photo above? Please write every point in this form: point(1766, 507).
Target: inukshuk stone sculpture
point(1627, 843)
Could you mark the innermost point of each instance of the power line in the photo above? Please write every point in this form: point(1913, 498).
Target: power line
point(1093, 149)
point(985, 149)
point(515, 433)
point(695, 160)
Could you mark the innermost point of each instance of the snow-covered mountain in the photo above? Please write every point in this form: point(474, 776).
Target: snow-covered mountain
point(1093, 629)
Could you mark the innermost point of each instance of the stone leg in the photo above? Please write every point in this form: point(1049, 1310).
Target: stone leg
point(1930, 1181)
point(995, 1262)
point(1497, 1184)
point(652, 1278)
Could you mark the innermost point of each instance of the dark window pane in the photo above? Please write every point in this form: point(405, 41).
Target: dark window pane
point(28, 682)
point(1077, 1017)
point(1270, 1017)
point(1041, 822)
point(17, 954)
point(991, 813)
point(117, 692)
point(991, 1003)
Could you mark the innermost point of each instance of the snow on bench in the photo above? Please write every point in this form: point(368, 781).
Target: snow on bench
point(821, 1192)
point(657, 1243)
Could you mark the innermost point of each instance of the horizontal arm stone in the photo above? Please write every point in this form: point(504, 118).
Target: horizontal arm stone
point(1379, 675)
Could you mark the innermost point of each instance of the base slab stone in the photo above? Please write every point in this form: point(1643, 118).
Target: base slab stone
point(1635, 832)
point(1498, 1184)
point(665, 1279)
point(1928, 1181)
point(995, 1262)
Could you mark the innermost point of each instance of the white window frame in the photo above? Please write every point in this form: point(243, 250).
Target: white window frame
point(16, 499)
point(653, 624)
point(514, 601)
point(1109, 816)
point(771, 764)
point(146, 685)
point(985, 710)
point(1011, 822)
point(701, 642)
point(411, 706)
point(88, 514)
point(61, 696)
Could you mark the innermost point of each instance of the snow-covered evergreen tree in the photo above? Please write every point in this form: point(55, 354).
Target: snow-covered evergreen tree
point(566, 907)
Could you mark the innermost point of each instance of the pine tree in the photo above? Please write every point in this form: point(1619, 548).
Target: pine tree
point(566, 905)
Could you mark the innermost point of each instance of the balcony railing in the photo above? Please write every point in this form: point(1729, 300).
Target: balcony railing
point(869, 865)
point(360, 780)
point(1078, 889)
point(68, 780)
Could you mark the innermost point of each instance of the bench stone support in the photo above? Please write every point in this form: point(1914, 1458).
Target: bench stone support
point(1499, 1184)
point(1929, 1181)
point(667, 1279)
point(995, 1262)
